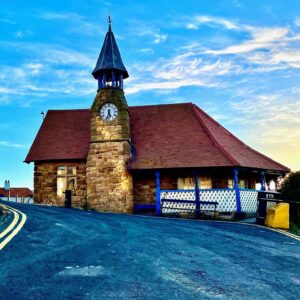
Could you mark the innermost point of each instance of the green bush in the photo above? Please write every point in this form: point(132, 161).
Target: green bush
point(291, 186)
point(291, 191)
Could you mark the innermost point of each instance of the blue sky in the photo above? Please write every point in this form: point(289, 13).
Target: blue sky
point(238, 60)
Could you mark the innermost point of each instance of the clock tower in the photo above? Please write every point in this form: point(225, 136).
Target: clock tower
point(109, 184)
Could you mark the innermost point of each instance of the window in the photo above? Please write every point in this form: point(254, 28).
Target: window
point(188, 183)
point(66, 179)
point(205, 182)
point(242, 183)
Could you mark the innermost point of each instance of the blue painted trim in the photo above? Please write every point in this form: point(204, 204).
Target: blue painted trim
point(104, 79)
point(121, 81)
point(113, 79)
point(190, 201)
point(237, 190)
point(204, 190)
point(99, 82)
point(262, 180)
point(141, 207)
point(171, 191)
point(158, 206)
point(197, 194)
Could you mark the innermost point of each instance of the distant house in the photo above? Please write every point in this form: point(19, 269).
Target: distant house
point(113, 156)
point(19, 194)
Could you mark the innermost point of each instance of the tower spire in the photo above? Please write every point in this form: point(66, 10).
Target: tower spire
point(109, 23)
point(110, 70)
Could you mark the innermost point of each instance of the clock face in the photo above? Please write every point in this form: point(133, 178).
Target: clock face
point(108, 112)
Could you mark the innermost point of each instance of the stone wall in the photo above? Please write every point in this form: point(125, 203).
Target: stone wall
point(45, 183)
point(109, 184)
point(118, 129)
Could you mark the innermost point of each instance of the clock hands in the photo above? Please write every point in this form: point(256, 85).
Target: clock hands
point(108, 115)
point(108, 112)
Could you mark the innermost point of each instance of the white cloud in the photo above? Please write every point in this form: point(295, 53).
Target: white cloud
point(11, 145)
point(211, 21)
point(297, 22)
point(262, 38)
point(142, 29)
point(53, 70)
point(159, 38)
point(270, 122)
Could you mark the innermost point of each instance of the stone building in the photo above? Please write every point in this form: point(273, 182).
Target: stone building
point(115, 157)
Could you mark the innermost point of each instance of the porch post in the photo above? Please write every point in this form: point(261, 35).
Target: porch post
point(237, 190)
point(262, 181)
point(197, 194)
point(157, 206)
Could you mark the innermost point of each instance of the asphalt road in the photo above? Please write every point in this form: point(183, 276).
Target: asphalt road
point(73, 254)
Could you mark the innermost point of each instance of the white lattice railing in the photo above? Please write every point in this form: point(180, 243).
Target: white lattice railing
point(226, 199)
point(248, 200)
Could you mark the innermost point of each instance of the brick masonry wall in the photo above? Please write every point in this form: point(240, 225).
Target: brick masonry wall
point(144, 186)
point(45, 183)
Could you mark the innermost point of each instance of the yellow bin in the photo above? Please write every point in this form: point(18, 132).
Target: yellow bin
point(278, 216)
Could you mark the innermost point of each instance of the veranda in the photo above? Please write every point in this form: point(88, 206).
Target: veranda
point(239, 196)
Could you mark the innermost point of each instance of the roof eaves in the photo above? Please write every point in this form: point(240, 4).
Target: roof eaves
point(242, 143)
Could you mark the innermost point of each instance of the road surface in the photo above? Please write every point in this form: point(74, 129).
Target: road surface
point(72, 254)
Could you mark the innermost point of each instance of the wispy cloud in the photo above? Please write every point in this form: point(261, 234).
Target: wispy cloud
point(271, 123)
point(8, 21)
point(197, 21)
point(23, 33)
point(78, 23)
point(143, 29)
point(53, 70)
point(261, 38)
point(11, 145)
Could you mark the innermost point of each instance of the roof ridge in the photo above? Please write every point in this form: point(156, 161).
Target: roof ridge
point(169, 104)
point(71, 109)
point(215, 141)
point(240, 141)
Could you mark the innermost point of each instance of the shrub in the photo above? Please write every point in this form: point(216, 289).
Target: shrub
point(291, 186)
point(291, 191)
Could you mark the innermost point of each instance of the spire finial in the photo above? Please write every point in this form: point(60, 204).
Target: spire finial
point(109, 22)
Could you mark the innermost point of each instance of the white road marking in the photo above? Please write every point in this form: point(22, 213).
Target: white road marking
point(14, 231)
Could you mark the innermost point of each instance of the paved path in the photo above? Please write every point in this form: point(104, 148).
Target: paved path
point(73, 254)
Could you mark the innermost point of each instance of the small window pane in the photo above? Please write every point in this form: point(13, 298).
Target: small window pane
point(71, 170)
point(186, 183)
point(242, 183)
point(61, 170)
point(205, 182)
point(230, 183)
point(61, 185)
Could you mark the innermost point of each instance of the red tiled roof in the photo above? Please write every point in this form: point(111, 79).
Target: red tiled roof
point(64, 134)
point(163, 136)
point(182, 135)
point(21, 192)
